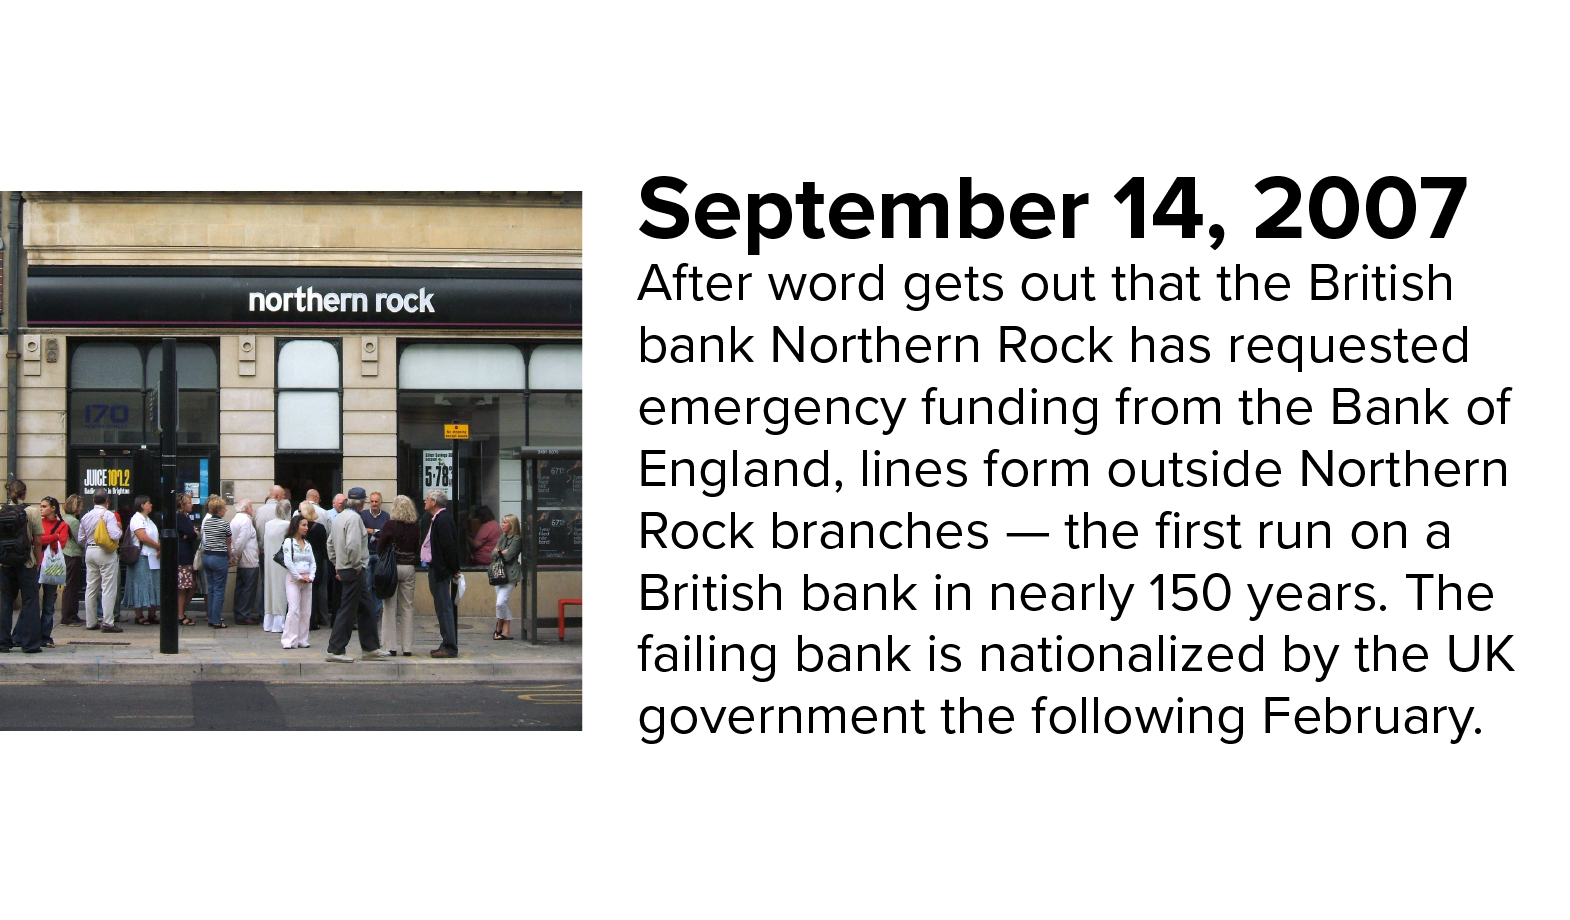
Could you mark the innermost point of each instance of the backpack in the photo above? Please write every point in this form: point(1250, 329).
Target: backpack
point(16, 542)
point(130, 547)
point(101, 538)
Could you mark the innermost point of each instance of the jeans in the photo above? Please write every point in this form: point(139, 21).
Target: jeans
point(354, 609)
point(216, 565)
point(46, 619)
point(245, 592)
point(16, 579)
point(446, 612)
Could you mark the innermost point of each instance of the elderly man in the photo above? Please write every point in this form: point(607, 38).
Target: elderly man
point(349, 550)
point(259, 520)
point(337, 508)
point(245, 558)
point(375, 519)
point(442, 552)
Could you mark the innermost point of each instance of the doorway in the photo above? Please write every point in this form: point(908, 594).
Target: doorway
point(299, 473)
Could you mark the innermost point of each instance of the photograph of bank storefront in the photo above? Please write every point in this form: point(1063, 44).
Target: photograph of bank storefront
point(448, 355)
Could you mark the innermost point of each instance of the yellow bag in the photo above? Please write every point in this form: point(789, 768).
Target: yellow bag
point(101, 537)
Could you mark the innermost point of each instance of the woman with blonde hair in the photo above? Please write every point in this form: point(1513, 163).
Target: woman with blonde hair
point(400, 536)
point(509, 549)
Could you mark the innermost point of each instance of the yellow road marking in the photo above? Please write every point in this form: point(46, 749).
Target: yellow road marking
point(411, 714)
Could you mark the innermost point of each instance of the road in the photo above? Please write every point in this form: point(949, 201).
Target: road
point(259, 706)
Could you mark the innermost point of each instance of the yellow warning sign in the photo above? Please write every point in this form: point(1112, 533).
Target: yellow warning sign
point(456, 432)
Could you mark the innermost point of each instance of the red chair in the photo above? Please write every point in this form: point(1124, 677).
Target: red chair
point(561, 615)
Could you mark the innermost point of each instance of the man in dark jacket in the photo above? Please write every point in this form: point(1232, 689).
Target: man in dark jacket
point(442, 552)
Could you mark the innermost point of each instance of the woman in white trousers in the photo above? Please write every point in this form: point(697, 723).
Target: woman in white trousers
point(300, 560)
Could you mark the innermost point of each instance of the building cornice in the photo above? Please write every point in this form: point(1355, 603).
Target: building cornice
point(341, 257)
point(552, 199)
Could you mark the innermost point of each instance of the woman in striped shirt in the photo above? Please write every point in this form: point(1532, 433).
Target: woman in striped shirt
point(216, 547)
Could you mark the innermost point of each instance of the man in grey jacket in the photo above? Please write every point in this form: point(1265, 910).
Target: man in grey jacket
point(348, 548)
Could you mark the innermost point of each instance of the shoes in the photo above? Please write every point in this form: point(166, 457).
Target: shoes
point(376, 654)
point(31, 651)
point(110, 629)
point(344, 659)
point(4, 649)
point(442, 653)
point(407, 654)
point(96, 626)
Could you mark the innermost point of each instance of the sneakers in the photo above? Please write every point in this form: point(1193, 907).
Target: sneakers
point(376, 655)
point(345, 659)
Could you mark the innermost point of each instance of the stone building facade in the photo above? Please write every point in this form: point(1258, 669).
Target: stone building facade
point(326, 340)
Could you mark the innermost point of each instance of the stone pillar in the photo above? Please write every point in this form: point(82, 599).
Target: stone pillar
point(370, 415)
point(245, 414)
point(41, 416)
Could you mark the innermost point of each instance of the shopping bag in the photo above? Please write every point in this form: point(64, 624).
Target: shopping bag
point(51, 571)
point(461, 585)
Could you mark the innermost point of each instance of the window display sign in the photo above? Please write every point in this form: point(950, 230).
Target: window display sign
point(438, 473)
point(101, 474)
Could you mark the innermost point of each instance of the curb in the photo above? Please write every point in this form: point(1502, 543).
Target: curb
point(411, 670)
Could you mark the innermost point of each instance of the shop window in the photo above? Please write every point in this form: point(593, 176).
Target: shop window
point(556, 367)
point(485, 367)
point(106, 366)
point(505, 403)
point(111, 382)
point(104, 417)
point(555, 419)
point(308, 364)
point(195, 366)
point(482, 469)
point(309, 415)
point(307, 420)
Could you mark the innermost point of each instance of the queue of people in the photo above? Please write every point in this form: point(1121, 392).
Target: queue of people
point(319, 565)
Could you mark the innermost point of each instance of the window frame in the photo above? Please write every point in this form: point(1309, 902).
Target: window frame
point(144, 347)
point(278, 345)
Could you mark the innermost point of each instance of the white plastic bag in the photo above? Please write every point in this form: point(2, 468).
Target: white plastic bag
point(461, 586)
point(51, 571)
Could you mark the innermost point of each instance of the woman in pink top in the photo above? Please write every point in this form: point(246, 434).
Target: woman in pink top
point(484, 541)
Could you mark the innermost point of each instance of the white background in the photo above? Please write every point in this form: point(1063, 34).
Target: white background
point(875, 100)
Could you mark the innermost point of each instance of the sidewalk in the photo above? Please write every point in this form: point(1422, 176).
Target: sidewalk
point(247, 653)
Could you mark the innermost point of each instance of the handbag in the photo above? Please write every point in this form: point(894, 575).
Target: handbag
point(384, 574)
point(52, 570)
point(278, 558)
point(497, 573)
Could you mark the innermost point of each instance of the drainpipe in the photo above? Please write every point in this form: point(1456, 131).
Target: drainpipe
point(13, 307)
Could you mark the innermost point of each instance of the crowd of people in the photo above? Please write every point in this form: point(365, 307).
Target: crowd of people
point(318, 563)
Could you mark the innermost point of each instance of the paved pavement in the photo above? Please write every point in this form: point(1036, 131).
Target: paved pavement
point(247, 653)
point(216, 705)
